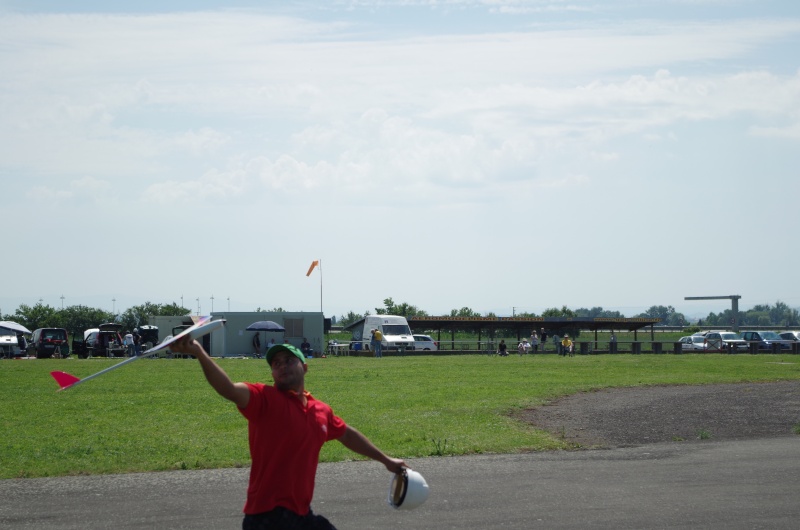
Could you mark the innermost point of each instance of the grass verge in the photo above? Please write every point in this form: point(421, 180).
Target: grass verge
point(161, 414)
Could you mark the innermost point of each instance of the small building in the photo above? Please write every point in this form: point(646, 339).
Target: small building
point(235, 340)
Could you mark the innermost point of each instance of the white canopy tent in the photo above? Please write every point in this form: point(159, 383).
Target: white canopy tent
point(13, 326)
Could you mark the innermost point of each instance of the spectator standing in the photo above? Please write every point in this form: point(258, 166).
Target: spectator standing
point(137, 342)
point(127, 340)
point(377, 342)
point(534, 342)
point(612, 343)
point(543, 339)
point(257, 344)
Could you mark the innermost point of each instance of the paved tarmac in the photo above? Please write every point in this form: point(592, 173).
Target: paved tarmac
point(705, 484)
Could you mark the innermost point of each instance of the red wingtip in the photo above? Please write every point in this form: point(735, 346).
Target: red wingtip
point(64, 379)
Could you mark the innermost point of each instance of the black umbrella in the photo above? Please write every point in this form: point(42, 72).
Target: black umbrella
point(265, 325)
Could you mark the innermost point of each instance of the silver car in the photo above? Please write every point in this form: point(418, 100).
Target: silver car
point(9, 346)
point(693, 343)
point(425, 342)
point(722, 340)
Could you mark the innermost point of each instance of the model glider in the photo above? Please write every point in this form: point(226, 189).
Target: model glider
point(202, 327)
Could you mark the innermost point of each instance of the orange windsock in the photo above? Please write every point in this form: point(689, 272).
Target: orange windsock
point(311, 268)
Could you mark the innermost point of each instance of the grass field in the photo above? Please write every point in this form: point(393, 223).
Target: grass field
point(161, 414)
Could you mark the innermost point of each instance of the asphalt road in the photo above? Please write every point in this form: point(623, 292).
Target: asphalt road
point(705, 484)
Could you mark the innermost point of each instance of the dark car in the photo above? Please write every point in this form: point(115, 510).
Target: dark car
point(765, 340)
point(49, 342)
point(102, 341)
point(148, 336)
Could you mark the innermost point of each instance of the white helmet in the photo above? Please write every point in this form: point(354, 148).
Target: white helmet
point(407, 490)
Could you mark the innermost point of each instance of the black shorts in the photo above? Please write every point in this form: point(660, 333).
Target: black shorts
point(283, 519)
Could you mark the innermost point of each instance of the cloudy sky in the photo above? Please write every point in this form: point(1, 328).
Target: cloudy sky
point(503, 155)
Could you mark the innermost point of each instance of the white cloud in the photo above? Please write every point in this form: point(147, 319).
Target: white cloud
point(791, 132)
point(466, 125)
point(201, 141)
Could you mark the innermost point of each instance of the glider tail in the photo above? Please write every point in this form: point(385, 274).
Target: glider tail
point(64, 379)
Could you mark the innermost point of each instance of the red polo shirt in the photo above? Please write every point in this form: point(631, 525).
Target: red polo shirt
point(285, 440)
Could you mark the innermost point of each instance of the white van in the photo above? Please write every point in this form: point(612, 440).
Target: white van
point(396, 332)
point(9, 346)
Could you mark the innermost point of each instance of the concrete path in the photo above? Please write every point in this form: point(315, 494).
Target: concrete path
point(715, 485)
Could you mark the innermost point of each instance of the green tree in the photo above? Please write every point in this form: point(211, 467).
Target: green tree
point(597, 312)
point(675, 319)
point(349, 318)
point(555, 312)
point(139, 315)
point(404, 309)
point(173, 310)
point(78, 318)
point(784, 315)
point(658, 311)
point(564, 312)
point(464, 312)
point(38, 316)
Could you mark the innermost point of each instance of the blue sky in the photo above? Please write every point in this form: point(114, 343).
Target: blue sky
point(499, 155)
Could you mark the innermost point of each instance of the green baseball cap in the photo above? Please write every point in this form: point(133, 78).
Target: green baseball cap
point(274, 350)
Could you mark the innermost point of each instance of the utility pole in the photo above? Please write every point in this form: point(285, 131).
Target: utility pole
point(734, 298)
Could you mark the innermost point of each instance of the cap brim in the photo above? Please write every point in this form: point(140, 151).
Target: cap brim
point(274, 350)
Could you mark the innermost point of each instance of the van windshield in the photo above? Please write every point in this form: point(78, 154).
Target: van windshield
point(396, 329)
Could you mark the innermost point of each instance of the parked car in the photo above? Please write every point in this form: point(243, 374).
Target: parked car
point(9, 345)
point(723, 340)
point(148, 336)
point(425, 342)
point(48, 342)
point(693, 343)
point(102, 341)
point(793, 336)
point(765, 339)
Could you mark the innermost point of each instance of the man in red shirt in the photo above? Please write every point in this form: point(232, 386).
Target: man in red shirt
point(286, 428)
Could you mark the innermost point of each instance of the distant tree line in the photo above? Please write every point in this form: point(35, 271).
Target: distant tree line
point(760, 315)
point(77, 318)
